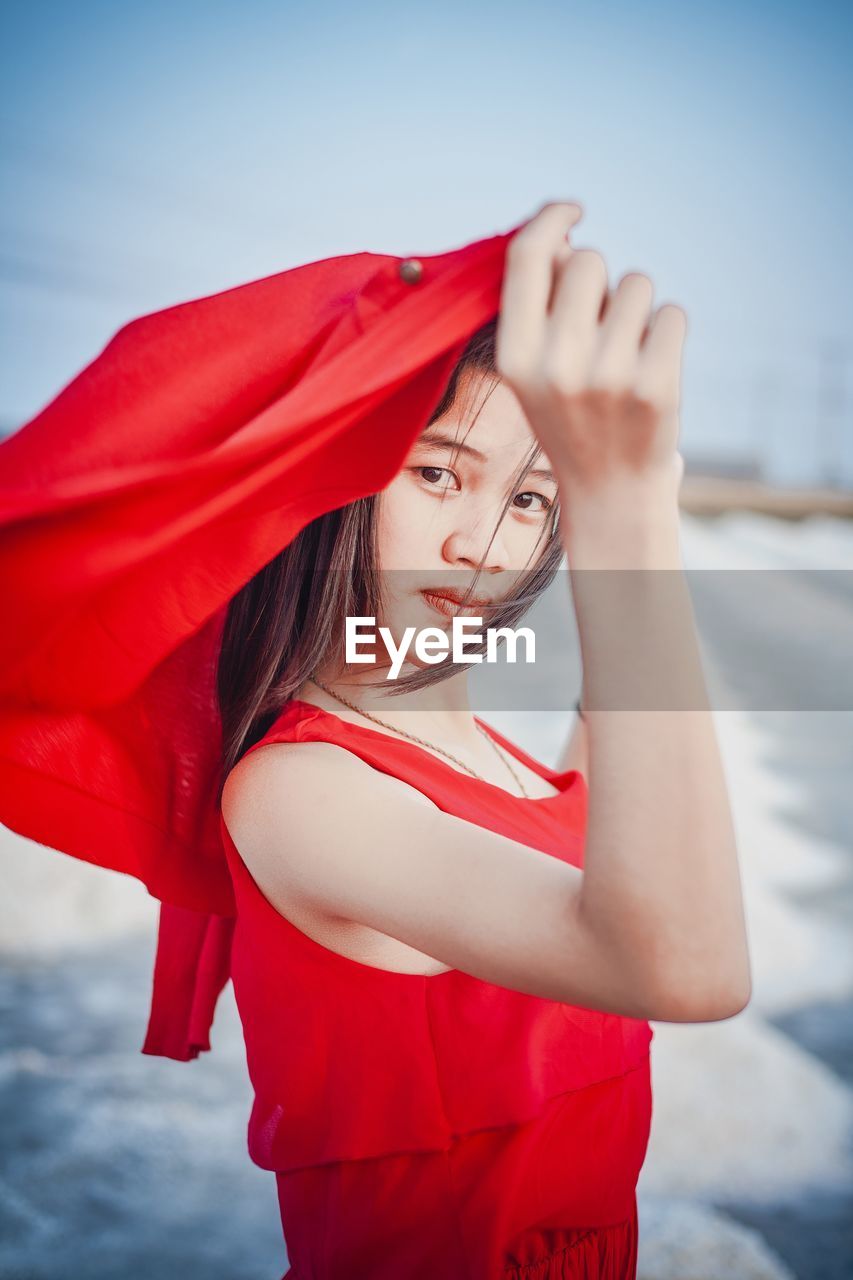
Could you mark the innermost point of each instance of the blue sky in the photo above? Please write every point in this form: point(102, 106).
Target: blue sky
point(156, 153)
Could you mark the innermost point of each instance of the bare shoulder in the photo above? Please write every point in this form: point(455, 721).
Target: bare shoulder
point(303, 814)
point(290, 809)
point(324, 768)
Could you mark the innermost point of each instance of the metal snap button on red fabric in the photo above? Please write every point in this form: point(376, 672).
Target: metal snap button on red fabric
point(411, 270)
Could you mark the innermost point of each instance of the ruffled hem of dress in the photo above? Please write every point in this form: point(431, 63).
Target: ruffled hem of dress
point(593, 1253)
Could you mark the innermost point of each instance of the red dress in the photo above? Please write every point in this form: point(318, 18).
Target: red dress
point(437, 1126)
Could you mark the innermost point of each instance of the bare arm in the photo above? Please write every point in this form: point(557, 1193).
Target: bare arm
point(324, 832)
point(661, 867)
point(661, 877)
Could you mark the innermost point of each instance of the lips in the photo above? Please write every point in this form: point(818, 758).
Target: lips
point(449, 604)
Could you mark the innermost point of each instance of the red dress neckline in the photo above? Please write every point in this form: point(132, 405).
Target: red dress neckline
point(565, 780)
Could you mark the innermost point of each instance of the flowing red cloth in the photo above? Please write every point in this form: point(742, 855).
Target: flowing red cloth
point(172, 468)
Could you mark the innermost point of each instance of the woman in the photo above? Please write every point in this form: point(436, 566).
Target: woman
point(444, 955)
point(433, 1117)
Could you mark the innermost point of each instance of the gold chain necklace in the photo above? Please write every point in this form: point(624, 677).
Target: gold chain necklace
point(423, 741)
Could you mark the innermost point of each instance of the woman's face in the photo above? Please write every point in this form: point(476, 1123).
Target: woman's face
point(437, 516)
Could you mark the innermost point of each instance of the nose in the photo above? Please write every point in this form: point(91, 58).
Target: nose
point(468, 544)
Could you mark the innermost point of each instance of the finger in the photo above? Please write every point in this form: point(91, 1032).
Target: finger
point(620, 332)
point(561, 257)
point(659, 365)
point(572, 337)
point(527, 286)
point(545, 212)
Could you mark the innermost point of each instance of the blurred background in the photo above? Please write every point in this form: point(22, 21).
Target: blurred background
point(152, 154)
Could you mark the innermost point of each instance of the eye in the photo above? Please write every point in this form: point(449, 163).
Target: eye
point(541, 496)
point(434, 472)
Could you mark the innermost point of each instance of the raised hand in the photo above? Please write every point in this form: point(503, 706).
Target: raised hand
point(597, 374)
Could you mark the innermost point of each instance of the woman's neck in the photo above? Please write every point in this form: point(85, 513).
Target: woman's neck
point(443, 709)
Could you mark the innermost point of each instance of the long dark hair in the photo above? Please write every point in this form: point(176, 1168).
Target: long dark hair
point(285, 623)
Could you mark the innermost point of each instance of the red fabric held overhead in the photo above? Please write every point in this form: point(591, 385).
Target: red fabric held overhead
point(182, 459)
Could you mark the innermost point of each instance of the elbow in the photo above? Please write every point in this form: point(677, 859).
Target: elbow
point(678, 1002)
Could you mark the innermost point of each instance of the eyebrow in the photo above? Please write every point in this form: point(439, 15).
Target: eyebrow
point(439, 440)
